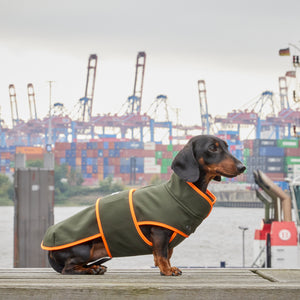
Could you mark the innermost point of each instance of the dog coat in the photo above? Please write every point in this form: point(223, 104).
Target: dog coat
point(176, 205)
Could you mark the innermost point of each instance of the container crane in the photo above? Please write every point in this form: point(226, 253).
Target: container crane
point(135, 101)
point(31, 101)
point(13, 105)
point(86, 102)
point(283, 93)
point(205, 117)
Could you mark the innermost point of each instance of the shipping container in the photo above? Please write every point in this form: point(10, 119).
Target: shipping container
point(292, 160)
point(288, 143)
point(271, 151)
point(264, 143)
point(292, 151)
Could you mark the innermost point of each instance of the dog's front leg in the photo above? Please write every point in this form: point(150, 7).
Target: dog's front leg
point(161, 252)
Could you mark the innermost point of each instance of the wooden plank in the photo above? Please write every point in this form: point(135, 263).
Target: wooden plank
point(147, 284)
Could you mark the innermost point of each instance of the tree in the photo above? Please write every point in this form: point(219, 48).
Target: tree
point(6, 189)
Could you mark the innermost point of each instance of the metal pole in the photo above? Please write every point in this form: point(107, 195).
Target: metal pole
point(244, 229)
point(50, 125)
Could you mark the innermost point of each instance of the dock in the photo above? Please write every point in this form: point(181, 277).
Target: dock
point(198, 283)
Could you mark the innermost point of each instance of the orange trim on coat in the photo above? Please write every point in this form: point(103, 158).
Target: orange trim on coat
point(138, 224)
point(172, 237)
point(100, 228)
point(154, 223)
point(133, 216)
point(71, 244)
point(205, 196)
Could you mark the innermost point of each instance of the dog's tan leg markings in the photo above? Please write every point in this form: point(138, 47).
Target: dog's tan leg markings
point(162, 253)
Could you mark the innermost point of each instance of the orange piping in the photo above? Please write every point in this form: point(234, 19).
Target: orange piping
point(172, 237)
point(71, 244)
point(205, 196)
point(133, 216)
point(163, 225)
point(100, 228)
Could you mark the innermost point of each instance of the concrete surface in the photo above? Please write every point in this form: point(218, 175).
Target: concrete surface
point(148, 284)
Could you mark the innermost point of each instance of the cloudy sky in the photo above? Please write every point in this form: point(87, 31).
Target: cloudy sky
point(233, 45)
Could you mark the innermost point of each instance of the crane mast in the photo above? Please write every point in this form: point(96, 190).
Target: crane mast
point(134, 101)
point(283, 93)
point(87, 100)
point(13, 105)
point(31, 101)
point(203, 106)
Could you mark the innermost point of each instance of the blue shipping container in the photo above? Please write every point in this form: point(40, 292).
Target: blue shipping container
point(271, 151)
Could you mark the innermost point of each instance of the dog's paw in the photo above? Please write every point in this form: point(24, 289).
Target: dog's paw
point(97, 270)
point(176, 271)
point(171, 272)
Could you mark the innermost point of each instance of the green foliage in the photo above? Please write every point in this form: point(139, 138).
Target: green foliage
point(34, 164)
point(6, 190)
point(107, 186)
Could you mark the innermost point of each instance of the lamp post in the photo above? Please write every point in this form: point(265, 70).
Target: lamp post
point(243, 229)
point(49, 145)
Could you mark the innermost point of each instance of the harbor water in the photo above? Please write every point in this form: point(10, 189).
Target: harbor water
point(218, 239)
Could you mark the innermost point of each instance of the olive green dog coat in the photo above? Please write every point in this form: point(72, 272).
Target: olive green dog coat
point(177, 205)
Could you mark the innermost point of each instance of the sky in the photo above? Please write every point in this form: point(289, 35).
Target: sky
point(233, 45)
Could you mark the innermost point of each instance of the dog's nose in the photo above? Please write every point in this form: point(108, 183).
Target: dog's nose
point(241, 168)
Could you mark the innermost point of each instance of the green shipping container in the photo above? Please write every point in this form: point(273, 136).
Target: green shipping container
point(158, 154)
point(164, 169)
point(170, 148)
point(175, 153)
point(288, 143)
point(166, 162)
point(246, 152)
point(292, 160)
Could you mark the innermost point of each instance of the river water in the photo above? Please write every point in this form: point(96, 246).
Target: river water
point(217, 239)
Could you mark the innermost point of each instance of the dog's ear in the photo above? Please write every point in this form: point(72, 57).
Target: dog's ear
point(185, 164)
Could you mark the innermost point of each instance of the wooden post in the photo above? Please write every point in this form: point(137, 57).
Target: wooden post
point(34, 202)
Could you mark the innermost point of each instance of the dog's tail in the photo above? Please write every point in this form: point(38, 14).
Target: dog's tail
point(53, 263)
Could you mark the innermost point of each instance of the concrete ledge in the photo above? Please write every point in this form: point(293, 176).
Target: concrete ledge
point(148, 284)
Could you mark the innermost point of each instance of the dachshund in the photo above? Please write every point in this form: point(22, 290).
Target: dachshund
point(202, 159)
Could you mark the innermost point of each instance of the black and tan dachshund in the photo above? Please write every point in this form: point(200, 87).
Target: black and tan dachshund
point(203, 158)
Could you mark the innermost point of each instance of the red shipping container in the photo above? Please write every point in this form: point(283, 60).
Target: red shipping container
point(161, 147)
point(81, 146)
point(105, 153)
point(292, 151)
point(276, 176)
point(89, 153)
point(146, 153)
point(60, 153)
point(99, 145)
point(89, 169)
point(100, 161)
point(62, 146)
point(248, 144)
point(111, 145)
point(115, 161)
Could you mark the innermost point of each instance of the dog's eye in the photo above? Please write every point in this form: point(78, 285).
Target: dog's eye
point(213, 148)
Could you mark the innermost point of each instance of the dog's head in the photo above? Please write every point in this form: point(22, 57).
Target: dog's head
point(208, 156)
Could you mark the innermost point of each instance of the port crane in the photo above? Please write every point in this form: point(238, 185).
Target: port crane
point(13, 105)
point(135, 101)
point(31, 101)
point(283, 93)
point(86, 102)
point(205, 116)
